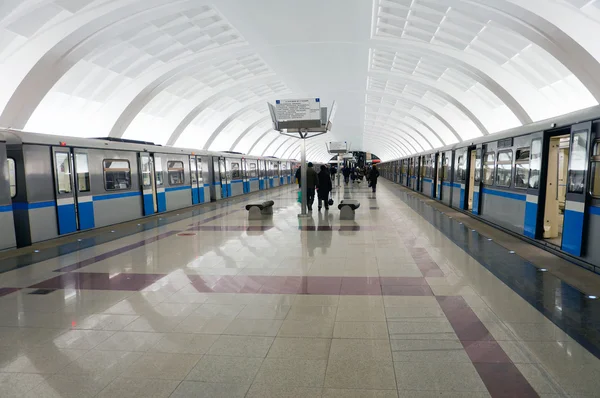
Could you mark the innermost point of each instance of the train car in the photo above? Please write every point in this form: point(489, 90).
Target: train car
point(53, 186)
point(540, 182)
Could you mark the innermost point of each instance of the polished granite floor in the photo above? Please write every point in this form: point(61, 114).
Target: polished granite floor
point(402, 302)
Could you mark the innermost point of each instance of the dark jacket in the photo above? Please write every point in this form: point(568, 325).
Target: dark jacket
point(324, 184)
point(311, 178)
point(346, 172)
point(373, 176)
point(298, 175)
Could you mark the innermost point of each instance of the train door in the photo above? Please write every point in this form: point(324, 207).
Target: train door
point(558, 149)
point(420, 174)
point(263, 179)
point(154, 199)
point(216, 190)
point(471, 168)
point(74, 205)
point(438, 175)
point(225, 187)
point(576, 187)
point(196, 188)
point(246, 180)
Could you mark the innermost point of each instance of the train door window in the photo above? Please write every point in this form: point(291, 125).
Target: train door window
point(83, 172)
point(504, 168)
point(158, 171)
point(445, 168)
point(176, 172)
point(12, 176)
point(595, 189)
point(235, 171)
point(117, 175)
point(461, 168)
point(253, 170)
point(146, 170)
point(489, 163)
point(63, 172)
point(578, 161)
point(522, 168)
point(535, 164)
point(193, 172)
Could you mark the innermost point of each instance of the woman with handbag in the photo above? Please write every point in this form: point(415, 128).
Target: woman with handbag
point(324, 187)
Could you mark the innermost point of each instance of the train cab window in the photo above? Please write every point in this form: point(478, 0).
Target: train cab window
point(522, 168)
point(595, 190)
point(504, 168)
point(63, 172)
point(83, 172)
point(489, 160)
point(12, 176)
point(578, 162)
point(235, 171)
point(253, 170)
point(176, 173)
point(117, 175)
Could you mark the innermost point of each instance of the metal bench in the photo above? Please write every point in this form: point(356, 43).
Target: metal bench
point(348, 209)
point(256, 211)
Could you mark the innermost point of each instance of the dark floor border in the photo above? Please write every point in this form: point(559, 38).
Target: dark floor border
point(565, 306)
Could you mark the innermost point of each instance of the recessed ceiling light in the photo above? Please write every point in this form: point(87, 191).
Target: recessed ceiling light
point(592, 297)
point(543, 270)
point(36, 251)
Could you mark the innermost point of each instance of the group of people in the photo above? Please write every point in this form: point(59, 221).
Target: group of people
point(321, 182)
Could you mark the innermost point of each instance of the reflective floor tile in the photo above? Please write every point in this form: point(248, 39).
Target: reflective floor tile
point(444, 394)
point(253, 327)
point(341, 393)
point(70, 386)
point(408, 314)
point(306, 313)
point(301, 348)
point(130, 341)
point(137, 388)
point(81, 339)
point(360, 314)
point(277, 391)
point(428, 351)
point(155, 323)
point(184, 343)
point(96, 362)
point(437, 376)
point(155, 365)
point(292, 372)
point(241, 346)
point(315, 300)
point(219, 310)
point(200, 324)
point(539, 379)
point(218, 369)
point(407, 301)
point(45, 359)
point(360, 349)
point(360, 330)
point(194, 389)
point(105, 322)
point(315, 328)
point(264, 312)
point(416, 330)
point(360, 374)
point(18, 384)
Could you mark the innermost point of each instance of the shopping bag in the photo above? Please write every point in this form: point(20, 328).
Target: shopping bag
point(299, 196)
point(330, 201)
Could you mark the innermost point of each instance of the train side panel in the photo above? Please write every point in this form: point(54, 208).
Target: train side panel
point(178, 188)
point(7, 238)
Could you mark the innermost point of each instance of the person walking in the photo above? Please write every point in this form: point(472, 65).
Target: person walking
point(312, 180)
point(324, 187)
point(373, 178)
point(346, 173)
point(298, 177)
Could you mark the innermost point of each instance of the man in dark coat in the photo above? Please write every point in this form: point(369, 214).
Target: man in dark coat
point(311, 183)
point(346, 173)
point(324, 187)
point(373, 178)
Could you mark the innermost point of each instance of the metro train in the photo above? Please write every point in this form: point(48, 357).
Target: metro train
point(540, 182)
point(52, 186)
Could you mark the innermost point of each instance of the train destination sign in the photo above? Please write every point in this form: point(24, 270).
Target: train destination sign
point(298, 109)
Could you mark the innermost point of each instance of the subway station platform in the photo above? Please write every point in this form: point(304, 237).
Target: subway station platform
point(404, 301)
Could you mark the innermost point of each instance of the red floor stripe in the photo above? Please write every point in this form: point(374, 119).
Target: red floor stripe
point(499, 374)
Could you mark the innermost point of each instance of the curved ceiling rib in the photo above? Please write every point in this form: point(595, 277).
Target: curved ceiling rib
point(248, 129)
point(397, 148)
point(401, 141)
point(398, 133)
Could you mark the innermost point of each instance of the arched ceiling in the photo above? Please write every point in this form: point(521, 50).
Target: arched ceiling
point(408, 75)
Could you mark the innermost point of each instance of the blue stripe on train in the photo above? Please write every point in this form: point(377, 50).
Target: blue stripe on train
point(530, 226)
point(116, 195)
point(67, 222)
point(475, 203)
point(504, 194)
point(572, 232)
point(179, 188)
point(30, 206)
point(595, 210)
point(86, 215)
point(6, 208)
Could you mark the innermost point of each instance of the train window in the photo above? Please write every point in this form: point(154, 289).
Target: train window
point(12, 176)
point(504, 168)
point(83, 172)
point(253, 170)
point(461, 168)
point(578, 161)
point(158, 171)
point(117, 175)
point(445, 169)
point(489, 160)
point(146, 171)
point(477, 176)
point(235, 171)
point(522, 168)
point(193, 171)
point(63, 172)
point(595, 191)
point(176, 172)
point(535, 165)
